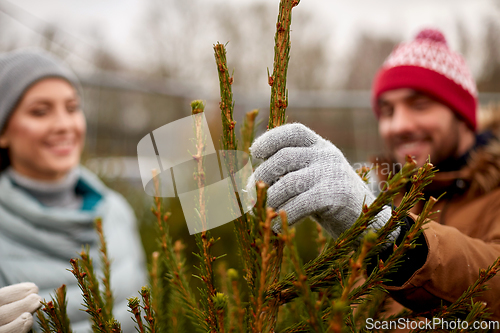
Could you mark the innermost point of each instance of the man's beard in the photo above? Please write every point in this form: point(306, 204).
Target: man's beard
point(443, 155)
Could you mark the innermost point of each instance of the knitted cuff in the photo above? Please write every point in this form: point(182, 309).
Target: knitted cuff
point(413, 259)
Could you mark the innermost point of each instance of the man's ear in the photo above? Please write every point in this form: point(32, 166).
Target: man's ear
point(467, 136)
point(465, 128)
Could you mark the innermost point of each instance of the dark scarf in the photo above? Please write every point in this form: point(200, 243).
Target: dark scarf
point(454, 164)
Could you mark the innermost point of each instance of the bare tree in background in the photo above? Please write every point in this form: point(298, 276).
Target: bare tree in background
point(51, 40)
point(464, 40)
point(367, 58)
point(311, 60)
point(102, 56)
point(172, 27)
point(169, 36)
point(249, 30)
point(490, 79)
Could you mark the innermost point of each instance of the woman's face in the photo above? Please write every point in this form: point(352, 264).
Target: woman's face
point(46, 132)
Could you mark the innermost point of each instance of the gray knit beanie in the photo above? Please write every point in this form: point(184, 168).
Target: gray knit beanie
point(19, 70)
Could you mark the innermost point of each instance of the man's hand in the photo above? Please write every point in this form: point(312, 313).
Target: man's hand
point(17, 304)
point(309, 176)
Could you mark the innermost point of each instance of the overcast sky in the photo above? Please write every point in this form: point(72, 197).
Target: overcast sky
point(118, 21)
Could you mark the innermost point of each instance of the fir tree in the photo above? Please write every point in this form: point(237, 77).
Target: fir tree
point(284, 294)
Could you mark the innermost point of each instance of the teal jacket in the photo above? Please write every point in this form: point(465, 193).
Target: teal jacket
point(37, 242)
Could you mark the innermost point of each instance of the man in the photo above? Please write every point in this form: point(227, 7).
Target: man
point(425, 100)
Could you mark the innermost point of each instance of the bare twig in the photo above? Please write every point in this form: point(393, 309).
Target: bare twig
point(277, 81)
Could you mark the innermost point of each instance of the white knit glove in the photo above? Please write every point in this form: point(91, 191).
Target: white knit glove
point(309, 176)
point(17, 304)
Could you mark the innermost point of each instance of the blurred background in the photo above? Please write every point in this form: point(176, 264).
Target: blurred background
point(142, 61)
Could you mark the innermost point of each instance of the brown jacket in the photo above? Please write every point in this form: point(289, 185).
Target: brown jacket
point(463, 237)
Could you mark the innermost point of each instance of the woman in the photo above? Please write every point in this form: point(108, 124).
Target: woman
point(48, 202)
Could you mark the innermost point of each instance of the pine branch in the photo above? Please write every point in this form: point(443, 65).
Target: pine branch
point(204, 240)
point(244, 227)
point(155, 281)
point(288, 314)
point(315, 323)
point(43, 322)
point(364, 173)
point(247, 230)
point(277, 81)
point(323, 291)
point(477, 312)
point(92, 283)
point(106, 268)
point(206, 275)
point(150, 326)
point(420, 180)
point(320, 238)
point(324, 270)
point(135, 309)
point(341, 308)
point(248, 130)
point(276, 261)
point(197, 107)
point(278, 105)
point(148, 310)
point(83, 272)
point(265, 249)
point(236, 310)
point(373, 306)
point(262, 311)
point(226, 104)
point(168, 275)
point(114, 326)
point(464, 304)
point(57, 319)
point(220, 301)
point(355, 266)
point(163, 266)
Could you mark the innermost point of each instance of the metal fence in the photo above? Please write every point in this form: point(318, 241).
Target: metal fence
point(121, 110)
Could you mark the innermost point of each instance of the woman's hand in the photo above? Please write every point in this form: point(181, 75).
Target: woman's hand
point(18, 302)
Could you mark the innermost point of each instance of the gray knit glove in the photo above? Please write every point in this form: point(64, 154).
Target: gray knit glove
point(309, 176)
point(17, 304)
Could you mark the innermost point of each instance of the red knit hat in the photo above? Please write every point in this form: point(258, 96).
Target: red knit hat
point(426, 64)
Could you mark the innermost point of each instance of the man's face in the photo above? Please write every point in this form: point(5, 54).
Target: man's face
point(414, 124)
